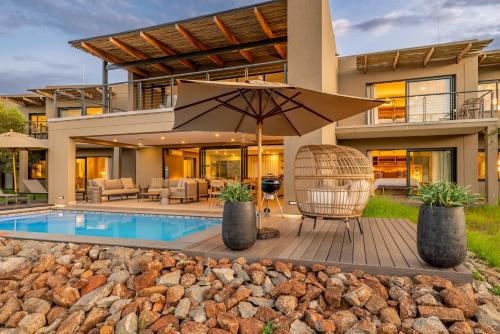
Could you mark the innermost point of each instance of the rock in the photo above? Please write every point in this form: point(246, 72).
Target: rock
point(387, 328)
point(446, 315)
point(358, 297)
point(174, 294)
point(283, 268)
point(291, 287)
point(375, 304)
point(107, 302)
point(100, 264)
point(50, 329)
point(119, 277)
point(55, 312)
point(286, 304)
point(169, 279)
point(65, 296)
point(488, 315)
point(247, 310)
point(94, 317)
point(11, 306)
point(198, 293)
point(127, 325)
point(182, 309)
point(228, 322)
point(36, 305)
point(168, 261)
point(11, 263)
point(146, 292)
point(187, 280)
point(192, 327)
point(363, 326)
point(457, 298)
point(225, 275)
point(430, 325)
point(119, 305)
point(138, 263)
point(71, 323)
point(145, 280)
point(166, 321)
point(460, 328)
point(45, 263)
point(407, 308)
point(146, 318)
point(15, 318)
point(437, 282)
point(259, 301)
point(300, 327)
point(31, 323)
point(90, 299)
point(427, 299)
point(198, 314)
point(390, 315)
point(250, 326)
point(343, 320)
point(107, 329)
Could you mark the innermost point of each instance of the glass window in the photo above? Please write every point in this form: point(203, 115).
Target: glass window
point(38, 165)
point(394, 108)
point(38, 123)
point(481, 165)
point(429, 100)
point(490, 98)
point(90, 168)
point(272, 161)
point(223, 163)
point(430, 166)
point(77, 111)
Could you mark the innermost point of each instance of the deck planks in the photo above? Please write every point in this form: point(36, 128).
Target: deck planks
point(386, 246)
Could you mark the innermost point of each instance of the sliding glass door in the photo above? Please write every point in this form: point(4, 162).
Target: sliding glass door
point(429, 100)
point(429, 166)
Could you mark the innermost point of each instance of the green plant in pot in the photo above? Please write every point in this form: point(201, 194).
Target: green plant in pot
point(239, 224)
point(441, 237)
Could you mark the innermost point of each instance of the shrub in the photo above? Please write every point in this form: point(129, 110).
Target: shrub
point(236, 192)
point(446, 194)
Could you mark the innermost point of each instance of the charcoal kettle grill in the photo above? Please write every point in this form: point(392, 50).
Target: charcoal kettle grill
point(270, 187)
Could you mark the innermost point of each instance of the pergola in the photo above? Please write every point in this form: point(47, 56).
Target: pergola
point(246, 35)
point(489, 58)
point(70, 93)
point(26, 100)
point(420, 56)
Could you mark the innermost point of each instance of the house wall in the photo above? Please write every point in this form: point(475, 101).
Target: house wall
point(148, 165)
point(354, 82)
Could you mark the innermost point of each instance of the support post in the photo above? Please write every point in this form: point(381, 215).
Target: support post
point(83, 103)
point(56, 111)
point(105, 108)
point(259, 175)
point(491, 157)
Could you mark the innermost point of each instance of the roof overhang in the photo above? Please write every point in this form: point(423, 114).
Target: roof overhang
point(27, 100)
point(71, 92)
point(422, 55)
point(489, 58)
point(443, 128)
point(246, 35)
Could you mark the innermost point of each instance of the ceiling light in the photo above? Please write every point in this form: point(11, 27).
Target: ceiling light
point(216, 151)
point(217, 135)
point(183, 142)
point(115, 140)
point(232, 139)
point(162, 138)
point(140, 144)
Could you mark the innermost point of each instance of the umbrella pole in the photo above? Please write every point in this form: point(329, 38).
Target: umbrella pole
point(14, 170)
point(259, 175)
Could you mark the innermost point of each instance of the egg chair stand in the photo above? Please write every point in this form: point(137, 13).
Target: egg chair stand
point(345, 220)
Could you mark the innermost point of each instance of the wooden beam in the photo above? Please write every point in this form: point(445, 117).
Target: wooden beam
point(232, 39)
point(365, 64)
point(68, 95)
point(464, 51)
point(166, 50)
point(32, 101)
point(482, 58)
point(199, 45)
point(138, 54)
point(428, 56)
point(201, 53)
point(268, 32)
point(111, 58)
point(43, 93)
point(396, 59)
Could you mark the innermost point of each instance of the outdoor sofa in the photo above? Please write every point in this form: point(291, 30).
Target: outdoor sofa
point(182, 189)
point(123, 187)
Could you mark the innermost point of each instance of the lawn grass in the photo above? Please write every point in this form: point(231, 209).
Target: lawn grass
point(483, 224)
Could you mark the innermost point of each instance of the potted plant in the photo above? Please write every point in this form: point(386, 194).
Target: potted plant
point(441, 237)
point(239, 225)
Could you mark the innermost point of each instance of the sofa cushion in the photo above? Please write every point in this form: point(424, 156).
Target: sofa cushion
point(156, 182)
point(113, 184)
point(98, 183)
point(127, 183)
point(110, 192)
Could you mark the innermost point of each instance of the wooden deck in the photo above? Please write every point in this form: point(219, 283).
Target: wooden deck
point(386, 246)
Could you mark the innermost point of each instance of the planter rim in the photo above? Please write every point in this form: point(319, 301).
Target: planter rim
point(441, 207)
point(237, 202)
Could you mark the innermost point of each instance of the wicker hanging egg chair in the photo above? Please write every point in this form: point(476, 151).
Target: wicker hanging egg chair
point(332, 182)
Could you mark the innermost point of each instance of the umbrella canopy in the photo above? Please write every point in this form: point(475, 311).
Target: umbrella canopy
point(260, 107)
point(19, 141)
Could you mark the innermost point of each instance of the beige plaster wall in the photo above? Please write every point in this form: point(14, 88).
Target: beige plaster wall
point(148, 165)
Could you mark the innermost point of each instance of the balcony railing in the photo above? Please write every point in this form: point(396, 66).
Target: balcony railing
point(435, 107)
point(37, 130)
point(152, 93)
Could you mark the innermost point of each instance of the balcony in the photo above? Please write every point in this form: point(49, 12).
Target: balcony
point(36, 129)
point(437, 107)
point(151, 93)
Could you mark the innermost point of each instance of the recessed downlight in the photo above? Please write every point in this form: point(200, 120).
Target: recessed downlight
point(217, 135)
point(162, 138)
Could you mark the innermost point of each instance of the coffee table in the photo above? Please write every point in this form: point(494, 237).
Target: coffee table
point(152, 196)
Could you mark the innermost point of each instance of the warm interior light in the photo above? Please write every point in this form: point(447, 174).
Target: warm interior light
point(183, 142)
point(115, 140)
point(232, 139)
point(217, 135)
point(162, 138)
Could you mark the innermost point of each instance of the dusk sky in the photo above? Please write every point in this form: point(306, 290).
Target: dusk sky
point(34, 33)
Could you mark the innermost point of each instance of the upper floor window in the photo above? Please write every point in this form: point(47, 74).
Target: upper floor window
point(490, 100)
point(77, 111)
point(422, 100)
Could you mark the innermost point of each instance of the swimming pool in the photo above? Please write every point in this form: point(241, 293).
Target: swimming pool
point(105, 224)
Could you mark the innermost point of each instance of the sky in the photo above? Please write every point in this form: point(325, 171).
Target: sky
point(34, 34)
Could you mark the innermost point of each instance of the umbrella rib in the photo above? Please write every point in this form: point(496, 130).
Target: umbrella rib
point(278, 106)
point(243, 115)
point(307, 108)
point(204, 113)
point(268, 97)
point(205, 100)
point(291, 124)
point(249, 103)
point(230, 106)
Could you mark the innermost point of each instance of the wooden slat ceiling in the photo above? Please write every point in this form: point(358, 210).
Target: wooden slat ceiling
point(423, 55)
point(489, 58)
point(26, 100)
point(168, 39)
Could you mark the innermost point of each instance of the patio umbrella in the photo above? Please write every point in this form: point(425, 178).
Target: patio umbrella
point(260, 107)
point(19, 141)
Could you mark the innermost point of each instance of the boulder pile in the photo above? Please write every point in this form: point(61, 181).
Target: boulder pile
point(68, 288)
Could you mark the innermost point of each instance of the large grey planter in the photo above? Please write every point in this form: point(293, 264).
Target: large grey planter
point(441, 238)
point(239, 225)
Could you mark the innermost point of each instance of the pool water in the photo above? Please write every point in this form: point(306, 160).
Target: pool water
point(104, 224)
